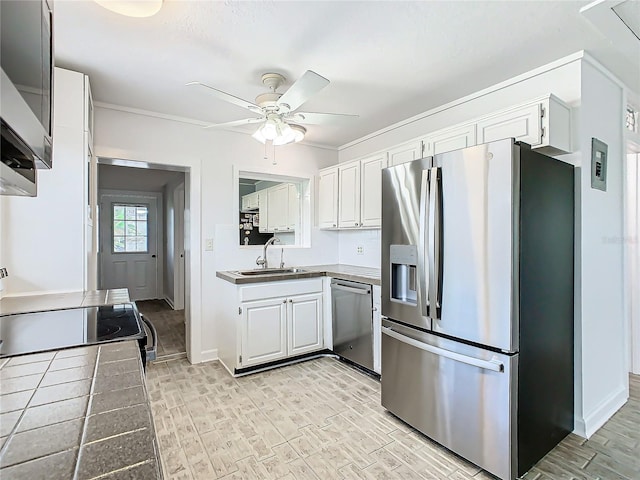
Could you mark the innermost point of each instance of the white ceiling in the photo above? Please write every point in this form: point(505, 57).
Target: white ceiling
point(387, 60)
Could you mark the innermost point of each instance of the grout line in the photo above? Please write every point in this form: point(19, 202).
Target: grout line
point(86, 416)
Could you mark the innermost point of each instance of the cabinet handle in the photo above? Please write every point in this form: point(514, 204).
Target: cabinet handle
point(290, 301)
point(284, 301)
point(334, 224)
point(356, 224)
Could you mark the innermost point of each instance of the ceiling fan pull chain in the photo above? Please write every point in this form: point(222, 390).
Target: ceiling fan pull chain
point(274, 162)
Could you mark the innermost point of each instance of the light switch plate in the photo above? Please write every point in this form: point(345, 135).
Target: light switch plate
point(598, 164)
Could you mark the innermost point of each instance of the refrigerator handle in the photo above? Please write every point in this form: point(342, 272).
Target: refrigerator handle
point(435, 242)
point(423, 283)
point(494, 364)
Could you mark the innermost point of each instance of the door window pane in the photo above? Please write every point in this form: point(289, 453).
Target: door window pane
point(130, 228)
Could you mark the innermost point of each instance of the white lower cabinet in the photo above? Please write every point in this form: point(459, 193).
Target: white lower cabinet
point(276, 320)
point(264, 331)
point(304, 324)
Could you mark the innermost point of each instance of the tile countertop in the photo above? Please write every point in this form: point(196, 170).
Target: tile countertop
point(345, 272)
point(77, 413)
point(58, 301)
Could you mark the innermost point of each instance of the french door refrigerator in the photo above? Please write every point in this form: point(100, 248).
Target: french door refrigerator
point(477, 301)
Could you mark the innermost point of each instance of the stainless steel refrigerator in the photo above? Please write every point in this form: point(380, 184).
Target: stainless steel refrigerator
point(477, 302)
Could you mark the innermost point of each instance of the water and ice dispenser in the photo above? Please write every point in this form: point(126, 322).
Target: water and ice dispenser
point(404, 275)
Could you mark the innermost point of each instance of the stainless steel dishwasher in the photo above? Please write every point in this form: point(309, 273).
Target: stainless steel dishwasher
point(352, 321)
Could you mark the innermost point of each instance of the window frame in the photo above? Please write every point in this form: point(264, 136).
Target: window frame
point(113, 235)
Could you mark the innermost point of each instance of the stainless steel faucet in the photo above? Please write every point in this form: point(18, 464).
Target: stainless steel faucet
point(263, 262)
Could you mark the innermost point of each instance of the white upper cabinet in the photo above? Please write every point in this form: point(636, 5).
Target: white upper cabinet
point(349, 195)
point(544, 122)
point(450, 139)
point(278, 208)
point(371, 190)
point(293, 207)
point(328, 198)
point(250, 202)
point(405, 153)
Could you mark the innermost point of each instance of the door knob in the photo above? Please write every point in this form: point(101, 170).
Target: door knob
point(153, 256)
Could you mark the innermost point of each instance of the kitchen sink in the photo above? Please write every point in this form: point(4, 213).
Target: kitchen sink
point(269, 271)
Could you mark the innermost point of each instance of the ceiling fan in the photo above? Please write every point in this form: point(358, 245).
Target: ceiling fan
point(277, 113)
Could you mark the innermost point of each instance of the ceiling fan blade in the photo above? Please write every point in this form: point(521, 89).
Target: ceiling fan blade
point(236, 123)
point(227, 97)
point(312, 118)
point(303, 89)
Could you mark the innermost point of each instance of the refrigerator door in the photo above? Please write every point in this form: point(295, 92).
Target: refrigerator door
point(405, 197)
point(473, 222)
point(461, 396)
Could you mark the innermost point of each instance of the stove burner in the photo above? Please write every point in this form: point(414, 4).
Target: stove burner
point(106, 331)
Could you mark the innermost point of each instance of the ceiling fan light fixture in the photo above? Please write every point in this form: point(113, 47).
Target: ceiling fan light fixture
point(132, 8)
point(294, 135)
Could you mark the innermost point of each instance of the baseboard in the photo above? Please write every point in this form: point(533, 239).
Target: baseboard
point(589, 425)
point(209, 355)
point(169, 302)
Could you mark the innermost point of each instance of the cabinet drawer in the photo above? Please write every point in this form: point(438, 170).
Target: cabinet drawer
point(284, 288)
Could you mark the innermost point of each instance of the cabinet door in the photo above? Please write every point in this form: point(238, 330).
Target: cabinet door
point(349, 195)
point(328, 198)
point(524, 123)
point(264, 334)
point(278, 210)
point(304, 324)
point(405, 153)
point(371, 190)
point(263, 211)
point(293, 202)
point(451, 139)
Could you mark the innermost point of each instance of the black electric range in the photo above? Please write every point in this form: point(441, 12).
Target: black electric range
point(56, 329)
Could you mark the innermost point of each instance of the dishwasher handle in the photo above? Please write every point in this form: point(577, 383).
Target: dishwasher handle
point(359, 291)
point(493, 364)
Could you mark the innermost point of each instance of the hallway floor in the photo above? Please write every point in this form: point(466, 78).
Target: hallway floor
point(170, 326)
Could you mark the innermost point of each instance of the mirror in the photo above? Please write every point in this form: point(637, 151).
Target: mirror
point(272, 206)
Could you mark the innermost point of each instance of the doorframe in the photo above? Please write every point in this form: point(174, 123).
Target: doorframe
point(129, 196)
point(178, 240)
point(192, 168)
point(631, 236)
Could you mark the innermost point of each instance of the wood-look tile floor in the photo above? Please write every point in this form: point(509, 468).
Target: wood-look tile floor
point(322, 420)
point(169, 323)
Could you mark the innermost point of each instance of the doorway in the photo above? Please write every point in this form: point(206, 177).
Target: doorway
point(141, 244)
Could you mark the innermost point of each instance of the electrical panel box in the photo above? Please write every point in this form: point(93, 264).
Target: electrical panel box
point(598, 164)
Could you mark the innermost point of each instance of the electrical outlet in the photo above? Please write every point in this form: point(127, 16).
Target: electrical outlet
point(360, 250)
point(208, 244)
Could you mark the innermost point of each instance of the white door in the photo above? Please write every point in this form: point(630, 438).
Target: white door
point(128, 245)
point(178, 281)
point(449, 140)
point(522, 123)
point(349, 195)
point(304, 324)
point(278, 207)
point(264, 336)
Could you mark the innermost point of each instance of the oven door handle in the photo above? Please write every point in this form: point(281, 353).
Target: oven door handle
point(151, 351)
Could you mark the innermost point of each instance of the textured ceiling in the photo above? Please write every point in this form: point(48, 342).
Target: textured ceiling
point(387, 61)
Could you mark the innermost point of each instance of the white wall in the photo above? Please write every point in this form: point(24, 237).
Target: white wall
point(632, 241)
point(43, 237)
point(601, 332)
point(211, 157)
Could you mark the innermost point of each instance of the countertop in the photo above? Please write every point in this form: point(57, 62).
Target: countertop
point(58, 301)
point(77, 413)
point(345, 272)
